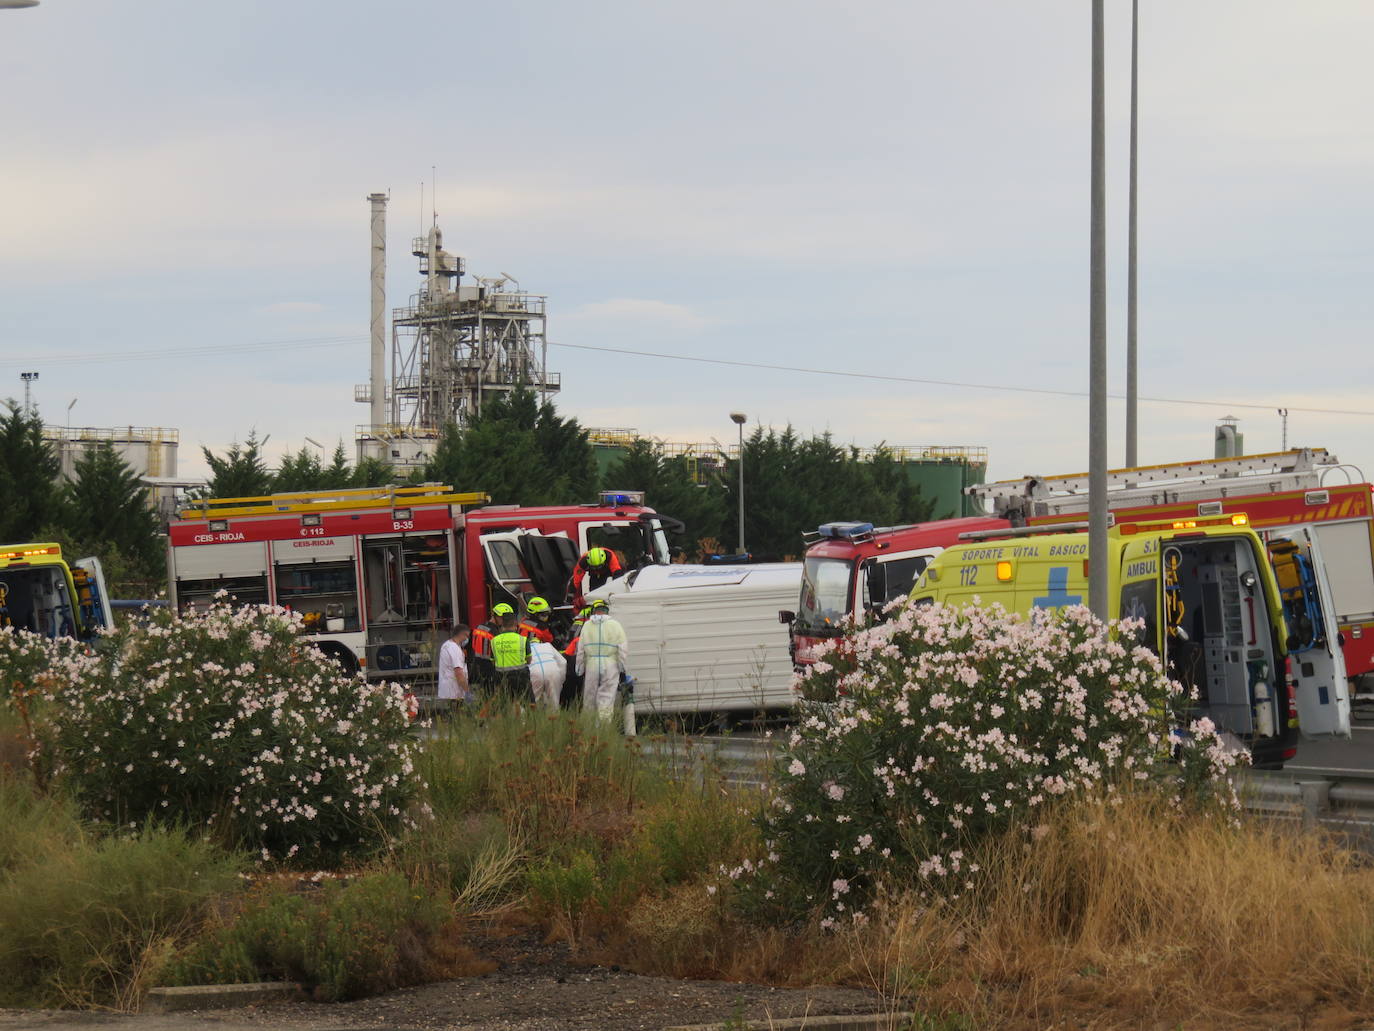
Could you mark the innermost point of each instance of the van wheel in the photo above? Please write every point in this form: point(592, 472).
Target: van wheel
point(346, 660)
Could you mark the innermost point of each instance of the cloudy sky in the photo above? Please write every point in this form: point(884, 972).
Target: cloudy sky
point(892, 189)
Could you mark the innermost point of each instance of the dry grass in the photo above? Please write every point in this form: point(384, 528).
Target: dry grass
point(1132, 916)
point(1136, 915)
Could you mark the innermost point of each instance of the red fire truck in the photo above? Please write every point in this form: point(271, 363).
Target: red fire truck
point(378, 573)
point(854, 569)
point(1320, 536)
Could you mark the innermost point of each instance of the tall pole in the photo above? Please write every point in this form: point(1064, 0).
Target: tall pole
point(739, 418)
point(1132, 386)
point(377, 370)
point(1097, 334)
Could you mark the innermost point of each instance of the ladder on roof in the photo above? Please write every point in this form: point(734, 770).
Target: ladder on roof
point(325, 501)
point(1302, 465)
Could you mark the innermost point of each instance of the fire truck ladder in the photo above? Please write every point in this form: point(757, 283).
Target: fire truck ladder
point(1279, 470)
point(325, 501)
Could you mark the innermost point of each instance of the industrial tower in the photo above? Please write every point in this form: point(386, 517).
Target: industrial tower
point(454, 348)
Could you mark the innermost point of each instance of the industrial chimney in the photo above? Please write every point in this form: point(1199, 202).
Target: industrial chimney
point(378, 372)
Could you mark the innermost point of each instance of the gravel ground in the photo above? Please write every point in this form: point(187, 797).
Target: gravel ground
point(536, 988)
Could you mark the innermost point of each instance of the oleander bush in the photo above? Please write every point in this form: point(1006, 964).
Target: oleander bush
point(930, 732)
point(226, 719)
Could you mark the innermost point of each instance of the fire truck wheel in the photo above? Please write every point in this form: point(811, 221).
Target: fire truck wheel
point(347, 661)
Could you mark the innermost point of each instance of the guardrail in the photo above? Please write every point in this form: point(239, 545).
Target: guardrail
point(1343, 802)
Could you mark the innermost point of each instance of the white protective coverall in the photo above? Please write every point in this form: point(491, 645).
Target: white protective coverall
point(601, 654)
point(548, 670)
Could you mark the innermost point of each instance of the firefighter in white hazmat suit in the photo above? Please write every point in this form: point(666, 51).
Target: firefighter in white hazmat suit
point(601, 654)
point(548, 669)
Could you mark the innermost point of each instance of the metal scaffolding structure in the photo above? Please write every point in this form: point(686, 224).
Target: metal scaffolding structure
point(454, 348)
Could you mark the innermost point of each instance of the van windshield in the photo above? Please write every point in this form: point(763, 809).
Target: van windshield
point(825, 593)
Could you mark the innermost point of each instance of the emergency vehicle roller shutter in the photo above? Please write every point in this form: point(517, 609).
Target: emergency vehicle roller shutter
point(246, 558)
point(313, 549)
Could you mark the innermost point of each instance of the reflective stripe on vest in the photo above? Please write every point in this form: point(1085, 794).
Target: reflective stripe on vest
point(510, 651)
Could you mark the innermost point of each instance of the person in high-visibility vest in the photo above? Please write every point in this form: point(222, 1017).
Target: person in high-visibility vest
point(601, 653)
point(510, 654)
point(595, 567)
point(481, 643)
point(536, 621)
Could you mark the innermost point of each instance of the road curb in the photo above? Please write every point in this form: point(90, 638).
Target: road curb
point(846, 1022)
point(218, 996)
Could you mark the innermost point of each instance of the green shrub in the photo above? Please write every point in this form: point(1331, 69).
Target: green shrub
point(342, 941)
point(86, 924)
point(226, 718)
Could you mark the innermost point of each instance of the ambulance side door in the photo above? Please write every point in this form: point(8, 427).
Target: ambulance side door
point(1140, 594)
point(1322, 688)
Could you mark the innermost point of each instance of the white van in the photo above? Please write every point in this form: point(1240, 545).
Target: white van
point(707, 638)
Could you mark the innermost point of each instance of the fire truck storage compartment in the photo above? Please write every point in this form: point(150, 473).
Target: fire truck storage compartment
point(318, 578)
point(408, 589)
point(36, 599)
point(1349, 567)
point(1224, 652)
point(239, 568)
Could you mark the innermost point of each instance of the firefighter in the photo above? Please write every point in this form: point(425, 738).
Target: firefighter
point(481, 643)
point(601, 653)
point(536, 621)
point(598, 565)
point(510, 655)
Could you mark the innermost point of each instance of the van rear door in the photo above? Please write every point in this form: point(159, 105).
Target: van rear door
point(1318, 664)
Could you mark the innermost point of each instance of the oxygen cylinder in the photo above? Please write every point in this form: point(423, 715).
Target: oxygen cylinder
point(1264, 709)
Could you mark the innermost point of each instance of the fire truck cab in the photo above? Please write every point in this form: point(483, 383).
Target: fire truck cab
point(855, 569)
point(379, 574)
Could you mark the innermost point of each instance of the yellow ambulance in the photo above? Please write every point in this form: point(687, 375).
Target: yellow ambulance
point(44, 594)
point(1203, 588)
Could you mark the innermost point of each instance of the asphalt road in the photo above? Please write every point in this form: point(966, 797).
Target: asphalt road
point(1333, 756)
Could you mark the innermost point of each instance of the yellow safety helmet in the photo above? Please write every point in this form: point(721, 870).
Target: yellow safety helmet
point(536, 605)
point(502, 609)
point(597, 557)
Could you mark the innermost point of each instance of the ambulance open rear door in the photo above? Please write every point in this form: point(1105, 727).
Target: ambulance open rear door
point(1314, 642)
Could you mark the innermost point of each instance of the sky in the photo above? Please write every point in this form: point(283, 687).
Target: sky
point(897, 190)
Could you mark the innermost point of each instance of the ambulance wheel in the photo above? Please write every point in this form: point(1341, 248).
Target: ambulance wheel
point(347, 661)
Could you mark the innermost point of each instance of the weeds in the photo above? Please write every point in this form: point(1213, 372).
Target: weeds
point(343, 941)
point(87, 924)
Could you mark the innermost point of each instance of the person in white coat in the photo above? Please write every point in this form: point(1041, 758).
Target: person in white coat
point(548, 670)
point(601, 653)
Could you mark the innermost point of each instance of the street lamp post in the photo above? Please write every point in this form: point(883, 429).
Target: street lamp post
point(738, 418)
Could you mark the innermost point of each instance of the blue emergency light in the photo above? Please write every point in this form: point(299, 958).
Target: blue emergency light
point(611, 498)
point(844, 531)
